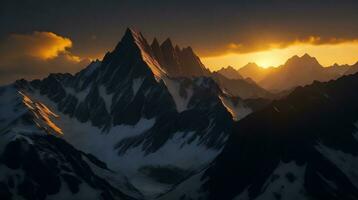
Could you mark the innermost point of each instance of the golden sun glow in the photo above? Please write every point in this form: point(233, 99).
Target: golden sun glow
point(326, 54)
point(266, 60)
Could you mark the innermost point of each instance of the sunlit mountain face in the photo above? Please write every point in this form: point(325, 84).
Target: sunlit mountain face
point(229, 100)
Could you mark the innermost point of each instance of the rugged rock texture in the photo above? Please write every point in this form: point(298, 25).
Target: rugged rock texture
point(304, 146)
point(178, 62)
point(130, 114)
point(297, 71)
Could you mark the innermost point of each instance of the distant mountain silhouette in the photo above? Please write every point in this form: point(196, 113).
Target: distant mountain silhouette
point(338, 70)
point(352, 69)
point(244, 88)
point(230, 80)
point(230, 72)
point(297, 71)
point(255, 72)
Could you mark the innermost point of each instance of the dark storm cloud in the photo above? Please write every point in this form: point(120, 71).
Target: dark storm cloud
point(211, 27)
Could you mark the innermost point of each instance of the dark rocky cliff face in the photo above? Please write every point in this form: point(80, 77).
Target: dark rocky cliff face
point(178, 62)
point(42, 167)
point(313, 131)
point(122, 89)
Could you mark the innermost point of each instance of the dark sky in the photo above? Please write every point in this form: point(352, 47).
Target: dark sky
point(208, 26)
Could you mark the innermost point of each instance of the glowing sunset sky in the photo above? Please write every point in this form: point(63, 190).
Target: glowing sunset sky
point(39, 37)
point(326, 54)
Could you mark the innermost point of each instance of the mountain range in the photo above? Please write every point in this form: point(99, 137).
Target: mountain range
point(352, 69)
point(149, 121)
point(297, 71)
point(230, 72)
point(255, 72)
point(230, 80)
point(134, 127)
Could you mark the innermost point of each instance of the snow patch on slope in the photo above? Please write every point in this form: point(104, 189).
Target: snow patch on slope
point(12, 109)
point(237, 111)
point(17, 176)
point(136, 84)
point(179, 151)
point(10, 103)
point(116, 179)
point(85, 192)
point(91, 139)
point(174, 88)
point(286, 183)
point(107, 98)
point(188, 189)
point(179, 146)
point(346, 162)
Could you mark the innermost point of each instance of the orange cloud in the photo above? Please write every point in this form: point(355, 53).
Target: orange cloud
point(40, 45)
point(44, 45)
point(36, 55)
